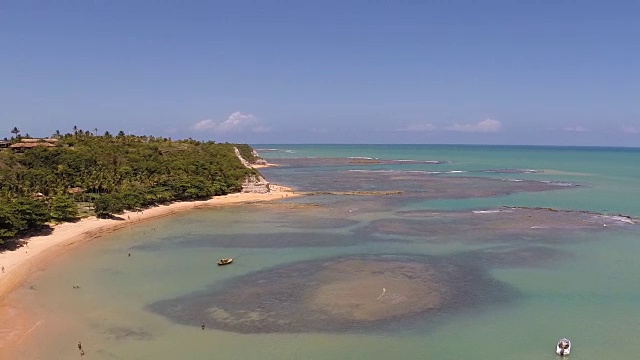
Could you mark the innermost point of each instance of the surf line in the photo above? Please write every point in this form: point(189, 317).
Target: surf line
point(381, 295)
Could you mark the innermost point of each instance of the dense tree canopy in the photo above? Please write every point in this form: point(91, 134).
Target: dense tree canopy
point(112, 173)
point(63, 208)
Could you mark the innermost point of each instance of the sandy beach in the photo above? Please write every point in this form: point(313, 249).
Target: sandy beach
point(39, 250)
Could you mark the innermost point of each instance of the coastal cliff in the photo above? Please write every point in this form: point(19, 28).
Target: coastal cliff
point(256, 184)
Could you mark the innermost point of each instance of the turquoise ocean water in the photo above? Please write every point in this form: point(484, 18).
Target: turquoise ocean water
point(590, 294)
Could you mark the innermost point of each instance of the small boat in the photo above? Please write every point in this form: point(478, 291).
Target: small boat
point(225, 261)
point(563, 347)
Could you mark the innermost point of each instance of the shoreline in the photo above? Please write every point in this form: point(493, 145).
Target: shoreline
point(19, 264)
point(16, 322)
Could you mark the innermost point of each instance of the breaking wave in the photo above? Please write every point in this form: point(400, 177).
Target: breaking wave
point(493, 211)
point(410, 171)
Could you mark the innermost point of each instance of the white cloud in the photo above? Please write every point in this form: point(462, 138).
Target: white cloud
point(484, 126)
point(418, 127)
point(235, 122)
point(630, 129)
point(576, 129)
point(205, 124)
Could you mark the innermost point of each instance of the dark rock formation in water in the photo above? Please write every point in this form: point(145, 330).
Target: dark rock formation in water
point(345, 294)
point(502, 225)
point(417, 184)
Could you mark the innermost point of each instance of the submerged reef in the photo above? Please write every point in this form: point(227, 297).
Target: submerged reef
point(339, 223)
point(502, 225)
point(342, 294)
point(423, 184)
point(378, 289)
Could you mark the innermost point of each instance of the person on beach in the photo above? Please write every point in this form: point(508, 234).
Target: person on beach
point(79, 346)
point(3, 269)
point(202, 326)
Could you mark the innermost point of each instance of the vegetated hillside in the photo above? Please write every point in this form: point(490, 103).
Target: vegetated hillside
point(247, 153)
point(114, 173)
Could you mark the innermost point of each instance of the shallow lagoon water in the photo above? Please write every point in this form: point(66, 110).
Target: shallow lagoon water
point(588, 294)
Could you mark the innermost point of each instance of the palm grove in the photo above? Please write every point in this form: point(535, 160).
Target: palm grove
point(108, 174)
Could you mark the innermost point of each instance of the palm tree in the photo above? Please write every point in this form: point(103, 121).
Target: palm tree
point(16, 132)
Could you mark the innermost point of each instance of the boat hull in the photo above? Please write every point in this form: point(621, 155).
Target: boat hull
point(563, 351)
point(222, 262)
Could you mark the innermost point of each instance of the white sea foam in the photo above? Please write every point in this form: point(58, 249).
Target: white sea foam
point(557, 183)
point(490, 211)
point(623, 219)
point(616, 218)
point(418, 161)
point(524, 171)
point(410, 171)
point(447, 172)
point(372, 171)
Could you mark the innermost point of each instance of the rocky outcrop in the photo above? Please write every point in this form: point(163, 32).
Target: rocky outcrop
point(260, 160)
point(242, 160)
point(255, 183)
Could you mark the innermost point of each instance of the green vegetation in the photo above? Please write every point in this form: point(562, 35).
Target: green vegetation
point(113, 174)
point(63, 208)
point(247, 153)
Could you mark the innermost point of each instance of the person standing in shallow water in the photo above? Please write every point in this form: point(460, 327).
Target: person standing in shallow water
point(202, 326)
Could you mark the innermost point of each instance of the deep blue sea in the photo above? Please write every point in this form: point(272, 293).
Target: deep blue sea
point(397, 252)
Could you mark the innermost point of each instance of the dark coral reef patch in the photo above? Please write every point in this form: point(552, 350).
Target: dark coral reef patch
point(343, 294)
point(506, 225)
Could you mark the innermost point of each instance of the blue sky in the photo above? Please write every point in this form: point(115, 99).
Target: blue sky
point(477, 72)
